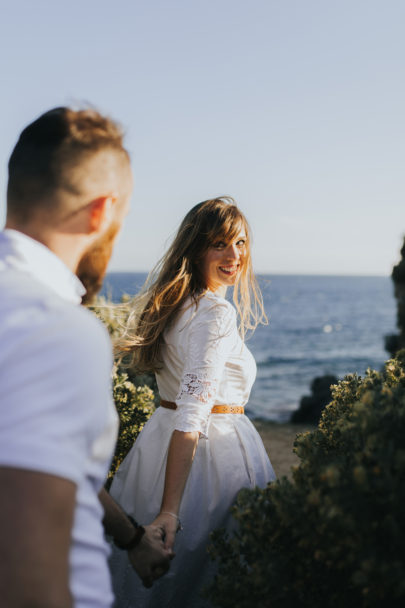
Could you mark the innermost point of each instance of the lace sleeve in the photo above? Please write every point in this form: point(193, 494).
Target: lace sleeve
point(210, 338)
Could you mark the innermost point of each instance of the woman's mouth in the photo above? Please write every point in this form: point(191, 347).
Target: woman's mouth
point(229, 270)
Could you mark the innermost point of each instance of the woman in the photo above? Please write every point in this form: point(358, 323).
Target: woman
point(198, 449)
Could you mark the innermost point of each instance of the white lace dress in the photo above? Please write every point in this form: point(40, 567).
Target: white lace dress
point(204, 363)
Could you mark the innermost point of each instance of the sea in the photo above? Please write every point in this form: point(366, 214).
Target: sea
point(317, 325)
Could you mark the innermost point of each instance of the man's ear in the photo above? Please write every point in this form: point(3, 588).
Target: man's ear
point(100, 212)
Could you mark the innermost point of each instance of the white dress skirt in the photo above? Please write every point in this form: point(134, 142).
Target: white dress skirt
point(205, 363)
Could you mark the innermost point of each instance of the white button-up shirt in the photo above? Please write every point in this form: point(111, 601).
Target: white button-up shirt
point(56, 410)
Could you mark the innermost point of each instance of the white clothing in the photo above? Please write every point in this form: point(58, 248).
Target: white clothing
point(204, 363)
point(57, 414)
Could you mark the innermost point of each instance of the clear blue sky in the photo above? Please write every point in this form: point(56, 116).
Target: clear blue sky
point(294, 107)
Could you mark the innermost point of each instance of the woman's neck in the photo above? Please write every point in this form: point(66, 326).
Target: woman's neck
point(219, 291)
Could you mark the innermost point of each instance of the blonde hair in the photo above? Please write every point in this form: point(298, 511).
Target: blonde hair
point(178, 276)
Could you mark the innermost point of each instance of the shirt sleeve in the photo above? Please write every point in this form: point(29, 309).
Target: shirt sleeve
point(55, 386)
point(209, 341)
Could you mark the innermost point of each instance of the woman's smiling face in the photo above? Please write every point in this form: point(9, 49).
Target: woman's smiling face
point(223, 262)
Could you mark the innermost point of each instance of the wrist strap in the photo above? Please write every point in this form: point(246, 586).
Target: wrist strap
point(139, 532)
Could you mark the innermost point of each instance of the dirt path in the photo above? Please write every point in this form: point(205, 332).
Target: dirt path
point(278, 440)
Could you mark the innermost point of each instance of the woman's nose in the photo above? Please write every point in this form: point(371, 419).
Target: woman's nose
point(233, 252)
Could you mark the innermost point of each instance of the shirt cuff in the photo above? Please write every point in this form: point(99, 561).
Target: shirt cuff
point(192, 417)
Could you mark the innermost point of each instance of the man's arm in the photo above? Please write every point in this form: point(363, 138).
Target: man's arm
point(36, 518)
point(149, 557)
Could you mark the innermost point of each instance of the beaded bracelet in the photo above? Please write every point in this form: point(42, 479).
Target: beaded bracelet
point(179, 526)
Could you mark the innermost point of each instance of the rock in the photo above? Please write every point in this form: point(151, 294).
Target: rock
point(311, 406)
point(395, 342)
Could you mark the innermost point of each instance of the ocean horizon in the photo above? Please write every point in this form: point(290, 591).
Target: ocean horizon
point(318, 324)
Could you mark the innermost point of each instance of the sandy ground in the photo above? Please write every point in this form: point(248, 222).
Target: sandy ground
point(278, 440)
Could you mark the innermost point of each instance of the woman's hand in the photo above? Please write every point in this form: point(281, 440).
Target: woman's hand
point(169, 524)
point(150, 558)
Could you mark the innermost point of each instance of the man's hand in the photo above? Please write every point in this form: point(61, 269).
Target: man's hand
point(150, 558)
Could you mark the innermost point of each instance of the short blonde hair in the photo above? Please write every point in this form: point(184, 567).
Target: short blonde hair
point(48, 148)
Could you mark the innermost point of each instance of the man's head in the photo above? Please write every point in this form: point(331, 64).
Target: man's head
point(69, 175)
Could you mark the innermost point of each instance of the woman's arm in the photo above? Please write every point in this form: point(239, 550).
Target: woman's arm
point(179, 460)
point(210, 338)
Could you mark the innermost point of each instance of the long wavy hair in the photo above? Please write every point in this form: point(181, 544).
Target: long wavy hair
point(178, 277)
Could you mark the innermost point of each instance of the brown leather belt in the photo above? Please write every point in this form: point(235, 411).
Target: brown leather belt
point(216, 409)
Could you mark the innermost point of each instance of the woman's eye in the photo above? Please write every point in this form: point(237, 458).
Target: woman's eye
point(219, 245)
point(241, 243)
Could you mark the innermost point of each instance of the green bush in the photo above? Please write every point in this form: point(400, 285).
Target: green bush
point(134, 394)
point(334, 535)
point(135, 405)
point(115, 318)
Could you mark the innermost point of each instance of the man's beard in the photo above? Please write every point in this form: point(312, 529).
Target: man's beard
point(93, 265)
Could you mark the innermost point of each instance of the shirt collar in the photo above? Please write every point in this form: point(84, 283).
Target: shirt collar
point(28, 255)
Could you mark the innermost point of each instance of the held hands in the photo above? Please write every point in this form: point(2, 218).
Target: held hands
point(145, 545)
point(151, 558)
point(169, 523)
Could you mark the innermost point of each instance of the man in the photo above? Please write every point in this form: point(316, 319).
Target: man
point(68, 192)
